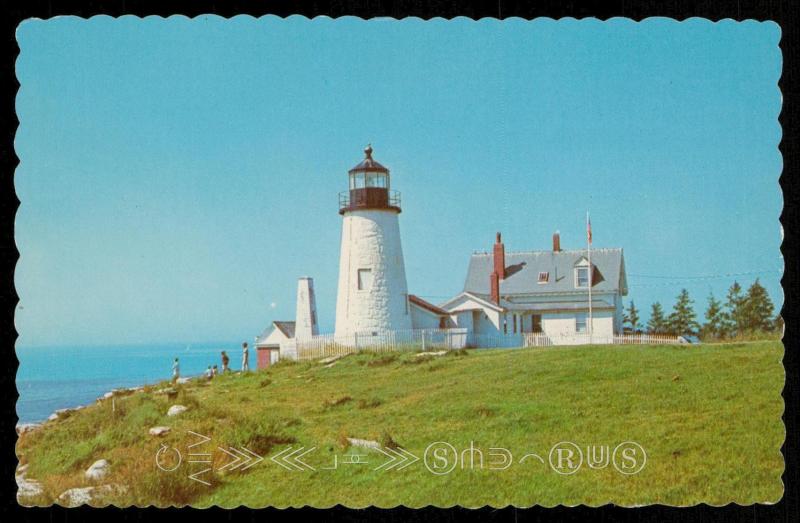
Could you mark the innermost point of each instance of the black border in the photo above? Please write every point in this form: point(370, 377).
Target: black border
point(782, 12)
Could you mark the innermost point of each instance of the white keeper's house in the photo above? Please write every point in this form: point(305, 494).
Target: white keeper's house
point(543, 292)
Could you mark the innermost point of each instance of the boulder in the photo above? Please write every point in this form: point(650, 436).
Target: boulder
point(159, 431)
point(364, 443)
point(437, 353)
point(183, 380)
point(176, 409)
point(27, 488)
point(108, 395)
point(52, 417)
point(76, 497)
point(331, 359)
point(98, 470)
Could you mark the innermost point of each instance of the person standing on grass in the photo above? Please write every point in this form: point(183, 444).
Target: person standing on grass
point(214, 371)
point(209, 373)
point(245, 358)
point(176, 370)
point(225, 361)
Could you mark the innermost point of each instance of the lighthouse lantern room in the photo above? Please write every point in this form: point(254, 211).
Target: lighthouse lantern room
point(372, 294)
point(369, 187)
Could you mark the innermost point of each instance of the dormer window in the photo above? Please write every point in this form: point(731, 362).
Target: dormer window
point(544, 277)
point(582, 277)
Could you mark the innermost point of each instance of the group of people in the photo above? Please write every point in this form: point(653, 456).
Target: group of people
point(213, 370)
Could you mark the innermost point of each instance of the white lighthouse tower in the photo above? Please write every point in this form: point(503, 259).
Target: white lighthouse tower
point(372, 294)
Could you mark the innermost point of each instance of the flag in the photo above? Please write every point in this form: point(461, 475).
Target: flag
point(588, 228)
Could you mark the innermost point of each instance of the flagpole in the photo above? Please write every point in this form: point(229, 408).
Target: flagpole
point(591, 269)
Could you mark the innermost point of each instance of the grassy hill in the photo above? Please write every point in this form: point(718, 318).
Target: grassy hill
point(709, 418)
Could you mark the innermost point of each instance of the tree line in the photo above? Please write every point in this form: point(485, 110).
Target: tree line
point(741, 315)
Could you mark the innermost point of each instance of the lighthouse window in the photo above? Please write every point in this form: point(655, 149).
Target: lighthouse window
point(364, 279)
point(372, 180)
point(359, 180)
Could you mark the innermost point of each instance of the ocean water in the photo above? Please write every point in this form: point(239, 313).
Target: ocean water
point(51, 378)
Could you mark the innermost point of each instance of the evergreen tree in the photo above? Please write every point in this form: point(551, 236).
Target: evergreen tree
point(733, 320)
point(657, 324)
point(777, 324)
point(757, 309)
point(714, 326)
point(682, 319)
point(631, 317)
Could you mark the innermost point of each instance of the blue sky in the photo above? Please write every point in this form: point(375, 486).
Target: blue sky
point(177, 176)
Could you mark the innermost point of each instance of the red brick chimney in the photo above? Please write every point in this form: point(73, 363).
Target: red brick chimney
point(556, 242)
point(500, 258)
point(499, 271)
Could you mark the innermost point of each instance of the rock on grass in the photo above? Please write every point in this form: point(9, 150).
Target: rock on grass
point(98, 470)
point(176, 409)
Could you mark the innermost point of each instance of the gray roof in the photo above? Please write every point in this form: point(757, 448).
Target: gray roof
point(523, 268)
point(286, 327)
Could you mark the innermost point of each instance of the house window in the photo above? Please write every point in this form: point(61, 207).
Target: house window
point(364, 279)
point(515, 323)
point(536, 323)
point(544, 277)
point(505, 325)
point(580, 323)
point(582, 277)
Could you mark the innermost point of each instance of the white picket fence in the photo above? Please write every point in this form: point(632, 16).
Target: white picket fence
point(415, 340)
point(544, 340)
point(327, 345)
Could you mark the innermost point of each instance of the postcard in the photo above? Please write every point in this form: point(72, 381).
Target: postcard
point(288, 261)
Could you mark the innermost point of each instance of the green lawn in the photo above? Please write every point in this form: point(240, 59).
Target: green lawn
point(708, 417)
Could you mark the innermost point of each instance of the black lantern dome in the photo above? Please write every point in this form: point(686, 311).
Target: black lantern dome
point(369, 187)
